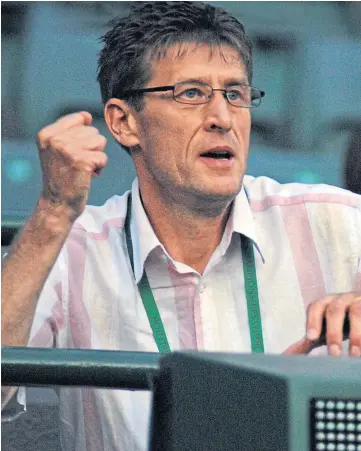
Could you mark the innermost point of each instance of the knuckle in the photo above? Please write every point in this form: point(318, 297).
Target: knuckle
point(88, 169)
point(334, 336)
point(55, 142)
point(43, 137)
point(335, 307)
point(86, 131)
point(92, 129)
point(103, 142)
point(355, 309)
point(101, 158)
point(97, 143)
point(315, 312)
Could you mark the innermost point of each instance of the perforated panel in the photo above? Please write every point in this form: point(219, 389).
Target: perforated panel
point(335, 424)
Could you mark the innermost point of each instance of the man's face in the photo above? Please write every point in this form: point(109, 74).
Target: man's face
point(173, 136)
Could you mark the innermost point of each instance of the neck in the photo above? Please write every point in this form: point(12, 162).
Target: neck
point(189, 234)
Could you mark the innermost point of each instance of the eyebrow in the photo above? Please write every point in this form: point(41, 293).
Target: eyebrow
point(228, 81)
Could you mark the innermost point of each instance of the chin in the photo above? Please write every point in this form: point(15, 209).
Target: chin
point(225, 186)
point(220, 191)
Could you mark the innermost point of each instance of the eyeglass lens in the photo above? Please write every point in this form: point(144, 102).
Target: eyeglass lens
point(198, 93)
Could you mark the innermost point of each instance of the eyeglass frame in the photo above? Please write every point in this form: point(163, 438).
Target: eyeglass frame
point(131, 92)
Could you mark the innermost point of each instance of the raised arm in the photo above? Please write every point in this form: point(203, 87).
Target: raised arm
point(71, 152)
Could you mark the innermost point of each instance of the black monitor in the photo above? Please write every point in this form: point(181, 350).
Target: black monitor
point(224, 402)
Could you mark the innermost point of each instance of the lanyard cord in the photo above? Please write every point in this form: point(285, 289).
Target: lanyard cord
point(251, 289)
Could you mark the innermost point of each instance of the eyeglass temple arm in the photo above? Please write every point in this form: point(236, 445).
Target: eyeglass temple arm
point(143, 90)
point(262, 94)
point(160, 89)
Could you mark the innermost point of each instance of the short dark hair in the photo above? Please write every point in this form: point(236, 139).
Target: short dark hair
point(150, 30)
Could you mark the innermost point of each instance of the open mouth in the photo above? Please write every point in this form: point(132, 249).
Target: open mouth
point(218, 155)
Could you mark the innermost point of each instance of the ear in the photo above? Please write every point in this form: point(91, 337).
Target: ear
point(121, 122)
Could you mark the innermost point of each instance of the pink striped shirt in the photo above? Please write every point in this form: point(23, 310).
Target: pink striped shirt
point(308, 244)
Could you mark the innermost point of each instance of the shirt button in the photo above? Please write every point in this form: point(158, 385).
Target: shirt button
point(202, 287)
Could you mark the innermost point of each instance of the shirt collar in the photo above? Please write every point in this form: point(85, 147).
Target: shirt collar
point(241, 221)
point(143, 237)
point(145, 240)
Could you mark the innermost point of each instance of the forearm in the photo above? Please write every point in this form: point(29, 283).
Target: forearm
point(26, 268)
point(6, 395)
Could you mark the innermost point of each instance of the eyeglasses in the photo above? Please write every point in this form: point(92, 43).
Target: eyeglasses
point(196, 93)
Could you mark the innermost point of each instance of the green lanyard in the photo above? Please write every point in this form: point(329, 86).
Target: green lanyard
point(250, 280)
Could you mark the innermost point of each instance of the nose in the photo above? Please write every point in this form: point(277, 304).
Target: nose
point(217, 114)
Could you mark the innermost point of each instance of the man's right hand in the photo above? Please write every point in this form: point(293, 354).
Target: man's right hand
point(71, 152)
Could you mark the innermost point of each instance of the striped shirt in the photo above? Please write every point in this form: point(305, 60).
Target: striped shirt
point(307, 244)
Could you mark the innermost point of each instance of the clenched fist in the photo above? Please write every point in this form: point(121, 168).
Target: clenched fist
point(71, 152)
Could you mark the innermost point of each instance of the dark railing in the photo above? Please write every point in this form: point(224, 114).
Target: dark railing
point(78, 367)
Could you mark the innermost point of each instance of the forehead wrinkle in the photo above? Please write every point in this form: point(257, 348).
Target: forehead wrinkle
point(180, 51)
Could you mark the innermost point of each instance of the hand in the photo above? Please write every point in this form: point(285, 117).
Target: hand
point(333, 308)
point(71, 152)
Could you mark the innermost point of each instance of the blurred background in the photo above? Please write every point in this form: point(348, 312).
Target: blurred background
point(307, 57)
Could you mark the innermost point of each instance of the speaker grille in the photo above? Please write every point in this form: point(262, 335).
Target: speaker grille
point(335, 424)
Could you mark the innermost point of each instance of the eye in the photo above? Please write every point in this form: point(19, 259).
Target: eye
point(239, 95)
point(234, 95)
point(194, 92)
point(191, 93)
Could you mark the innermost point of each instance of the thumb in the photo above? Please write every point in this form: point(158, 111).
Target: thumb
point(88, 119)
point(304, 346)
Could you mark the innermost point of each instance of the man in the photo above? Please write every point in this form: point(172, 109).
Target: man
point(176, 83)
